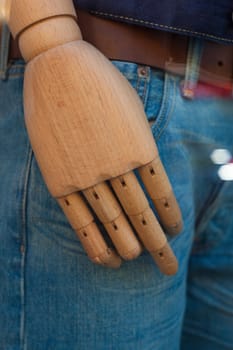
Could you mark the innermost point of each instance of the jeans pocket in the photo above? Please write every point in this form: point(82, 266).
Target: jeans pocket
point(156, 90)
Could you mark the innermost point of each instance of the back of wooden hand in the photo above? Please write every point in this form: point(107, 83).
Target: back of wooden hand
point(89, 132)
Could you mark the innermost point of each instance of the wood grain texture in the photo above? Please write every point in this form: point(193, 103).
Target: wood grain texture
point(87, 127)
point(5, 6)
point(46, 35)
point(159, 188)
point(25, 13)
point(87, 231)
point(110, 213)
point(85, 122)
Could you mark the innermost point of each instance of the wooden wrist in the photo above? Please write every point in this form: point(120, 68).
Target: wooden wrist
point(42, 25)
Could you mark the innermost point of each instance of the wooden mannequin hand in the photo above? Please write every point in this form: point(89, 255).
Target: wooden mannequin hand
point(89, 132)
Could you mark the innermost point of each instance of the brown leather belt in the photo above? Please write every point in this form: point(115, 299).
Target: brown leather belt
point(168, 51)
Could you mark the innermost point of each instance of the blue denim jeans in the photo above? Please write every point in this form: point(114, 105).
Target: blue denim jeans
point(53, 298)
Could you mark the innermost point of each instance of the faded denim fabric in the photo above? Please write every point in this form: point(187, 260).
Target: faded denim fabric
point(53, 298)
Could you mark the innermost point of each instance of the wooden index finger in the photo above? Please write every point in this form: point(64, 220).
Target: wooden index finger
point(159, 188)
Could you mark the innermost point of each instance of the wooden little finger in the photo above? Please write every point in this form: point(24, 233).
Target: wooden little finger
point(83, 223)
point(159, 188)
point(155, 241)
point(136, 206)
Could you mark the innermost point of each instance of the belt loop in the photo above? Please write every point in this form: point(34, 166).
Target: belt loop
point(194, 56)
point(4, 50)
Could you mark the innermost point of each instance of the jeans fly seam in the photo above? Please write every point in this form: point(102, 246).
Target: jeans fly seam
point(24, 242)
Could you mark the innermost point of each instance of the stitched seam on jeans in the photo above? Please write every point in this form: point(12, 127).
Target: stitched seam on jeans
point(171, 109)
point(162, 111)
point(204, 217)
point(142, 83)
point(166, 108)
point(139, 83)
point(144, 90)
point(23, 256)
point(182, 30)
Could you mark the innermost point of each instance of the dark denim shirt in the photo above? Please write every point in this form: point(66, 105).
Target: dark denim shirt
point(209, 19)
